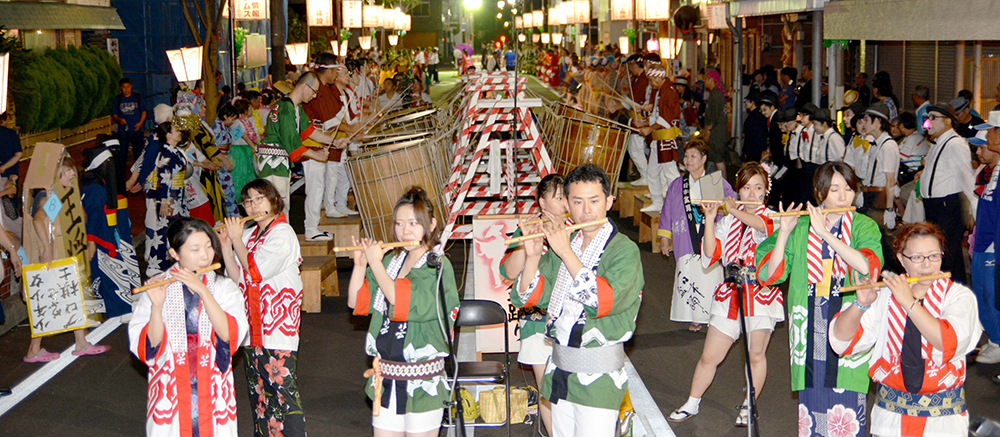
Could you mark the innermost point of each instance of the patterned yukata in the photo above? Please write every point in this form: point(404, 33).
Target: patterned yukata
point(272, 291)
point(924, 375)
point(191, 388)
point(203, 140)
point(224, 140)
point(287, 126)
point(408, 331)
point(595, 309)
point(165, 185)
point(683, 223)
point(831, 389)
point(242, 155)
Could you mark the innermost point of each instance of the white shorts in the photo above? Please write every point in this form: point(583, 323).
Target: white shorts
point(409, 422)
point(535, 350)
point(731, 328)
point(574, 420)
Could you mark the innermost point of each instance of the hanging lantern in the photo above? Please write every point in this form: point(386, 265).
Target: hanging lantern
point(528, 20)
point(623, 44)
point(393, 39)
point(185, 62)
point(521, 37)
point(298, 53)
point(371, 16)
point(545, 38)
point(582, 11)
point(553, 16)
point(351, 14)
point(408, 21)
point(652, 45)
point(621, 10)
point(582, 39)
point(320, 13)
point(557, 38)
point(670, 47)
point(640, 10)
point(657, 11)
point(538, 18)
point(4, 68)
point(535, 38)
point(389, 18)
point(365, 42)
point(518, 22)
point(343, 48)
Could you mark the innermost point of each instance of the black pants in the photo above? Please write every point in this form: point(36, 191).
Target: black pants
point(432, 70)
point(946, 214)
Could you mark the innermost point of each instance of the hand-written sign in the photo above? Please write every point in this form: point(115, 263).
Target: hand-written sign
point(55, 297)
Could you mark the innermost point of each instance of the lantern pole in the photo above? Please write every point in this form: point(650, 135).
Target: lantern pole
point(232, 48)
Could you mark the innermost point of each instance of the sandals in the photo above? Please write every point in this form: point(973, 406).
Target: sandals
point(680, 415)
point(744, 417)
point(43, 356)
point(92, 350)
point(695, 327)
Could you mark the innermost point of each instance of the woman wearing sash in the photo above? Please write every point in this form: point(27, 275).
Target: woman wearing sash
point(682, 227)
point(818, 254)
point(735, 242)
point(915, 338)
point(264, 260)
point(407, 333)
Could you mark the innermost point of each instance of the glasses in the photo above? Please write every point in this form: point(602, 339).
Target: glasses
point(314, 90)
point(254, 201)
point(933, 117)
point(917, 259)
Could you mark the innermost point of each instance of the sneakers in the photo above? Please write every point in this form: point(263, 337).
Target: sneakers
point(333, 213)
point(347, 211)
point(641, 182)
point(989, 354)
point(320, 236)
point(652, 208)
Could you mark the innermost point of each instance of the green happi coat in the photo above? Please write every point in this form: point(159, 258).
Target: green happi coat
point(852, 371)
point(287, 126)
point(610, 320)
point(414, 313)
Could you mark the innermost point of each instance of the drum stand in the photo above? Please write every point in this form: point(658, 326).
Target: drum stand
point(742, 275)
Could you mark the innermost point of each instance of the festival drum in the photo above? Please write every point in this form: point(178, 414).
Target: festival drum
point(376, 141)
point(585, 142)
point(420, 121)
point(380, 176)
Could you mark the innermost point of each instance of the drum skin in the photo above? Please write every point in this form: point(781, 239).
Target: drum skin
point(581, 142)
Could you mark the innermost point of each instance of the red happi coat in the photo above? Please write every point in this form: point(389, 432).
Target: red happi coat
point(738, 244)
point(168, 408)
point(272, 286)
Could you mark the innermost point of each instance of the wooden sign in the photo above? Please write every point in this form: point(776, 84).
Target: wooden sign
point(488, 248)
point(55, 297)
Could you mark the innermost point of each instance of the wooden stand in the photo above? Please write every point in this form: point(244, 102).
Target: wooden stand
point(626, 198)
point(315, 248)
point(650, 222)
point(319, 278)
point(640, 201)
point(342, 229)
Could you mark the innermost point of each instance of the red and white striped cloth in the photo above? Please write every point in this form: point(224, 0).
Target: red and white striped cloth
point(814, 257)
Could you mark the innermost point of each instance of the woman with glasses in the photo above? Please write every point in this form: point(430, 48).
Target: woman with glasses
point(818, 254)
point(915, 337)
point(264, 260)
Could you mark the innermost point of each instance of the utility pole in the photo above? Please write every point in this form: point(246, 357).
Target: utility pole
point(277, 40)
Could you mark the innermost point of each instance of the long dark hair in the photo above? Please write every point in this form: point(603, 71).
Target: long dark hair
point(184, 227)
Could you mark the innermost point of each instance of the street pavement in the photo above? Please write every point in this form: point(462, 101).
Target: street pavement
point(106, 395)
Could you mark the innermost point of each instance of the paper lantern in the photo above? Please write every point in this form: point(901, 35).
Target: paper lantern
point(408, 21)
point(582, 11)
point(351, 14)
point(371, 16)
point(248, 10)
point(623, 44)
point(389, 18)
point(521, 37)
point(545, 38)
point(538, 18)
point(343, 48)
point(652, 45)
point(320, 13)
point(393, 39)
point(557, 38)
point(657, 11)
point(553, 16)
point(582, 39)
point(365, 42)
point(640, 10)
point(518, 22)
point(298, 54)
point(186, 63)
point(535, 38)
point(528, 20)
point(4, 68)
point(621, 10)
point(670, 47)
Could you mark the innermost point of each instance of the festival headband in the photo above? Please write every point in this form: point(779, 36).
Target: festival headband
point(656, 72)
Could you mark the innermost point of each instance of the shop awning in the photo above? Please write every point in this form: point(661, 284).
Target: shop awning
point(36, 15)
point(912, 20)
point(749, 8)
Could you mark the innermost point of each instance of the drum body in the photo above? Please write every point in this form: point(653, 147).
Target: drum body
point(379, 177)
point(583, 142)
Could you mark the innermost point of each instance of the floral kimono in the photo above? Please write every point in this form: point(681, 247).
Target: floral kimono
point(224, 141)
point(165, 185)
point(831, 390)
point(190, 373)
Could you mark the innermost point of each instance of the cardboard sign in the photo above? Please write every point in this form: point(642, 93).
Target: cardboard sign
point(55, 297)
point(489, 232)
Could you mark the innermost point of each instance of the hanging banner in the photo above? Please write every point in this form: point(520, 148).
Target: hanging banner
point(248, 10)
point(621, 10)
point(351, 14)
point(320, 13)
point(55, 297)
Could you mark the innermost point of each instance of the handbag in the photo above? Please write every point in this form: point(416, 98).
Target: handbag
point(470, 411)
point(493, 405)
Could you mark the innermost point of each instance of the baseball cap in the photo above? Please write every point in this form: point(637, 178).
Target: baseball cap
point(979, 139)
point(992, 120)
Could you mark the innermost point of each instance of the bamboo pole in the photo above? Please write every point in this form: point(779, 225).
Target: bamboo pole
point(510, 241)
point(170, 280)
point(881, 284)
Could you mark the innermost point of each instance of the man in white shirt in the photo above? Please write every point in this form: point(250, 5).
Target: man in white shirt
point(800, 144)
point(912, 150)
point(829, 144)
point(883, 166)
point(432, 65)
point(946, 177)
